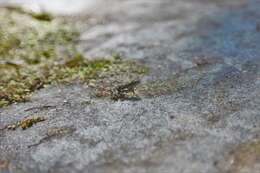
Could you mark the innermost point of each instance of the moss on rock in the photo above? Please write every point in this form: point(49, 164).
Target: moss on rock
point(34, 53)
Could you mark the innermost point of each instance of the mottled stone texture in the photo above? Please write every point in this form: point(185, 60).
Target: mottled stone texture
point(208, 49)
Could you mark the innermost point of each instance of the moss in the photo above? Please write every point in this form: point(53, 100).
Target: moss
point(42, 16)
point(119, 80)
point(34, 53)
point(26, 123)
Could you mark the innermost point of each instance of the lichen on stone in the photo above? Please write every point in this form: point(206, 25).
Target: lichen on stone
point(157, 88)
point(175, 84)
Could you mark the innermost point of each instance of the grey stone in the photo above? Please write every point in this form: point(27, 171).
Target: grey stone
point(206, 127)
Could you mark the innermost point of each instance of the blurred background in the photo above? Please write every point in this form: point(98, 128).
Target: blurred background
point(63, 7)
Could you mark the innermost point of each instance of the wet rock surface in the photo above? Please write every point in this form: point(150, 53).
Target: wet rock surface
point(198, 110)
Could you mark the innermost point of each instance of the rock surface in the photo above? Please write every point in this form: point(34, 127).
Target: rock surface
point(209, 124)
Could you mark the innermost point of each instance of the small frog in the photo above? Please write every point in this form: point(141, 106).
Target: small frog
point(125, 92)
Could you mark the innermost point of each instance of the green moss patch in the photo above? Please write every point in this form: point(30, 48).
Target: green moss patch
point(34, 53)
